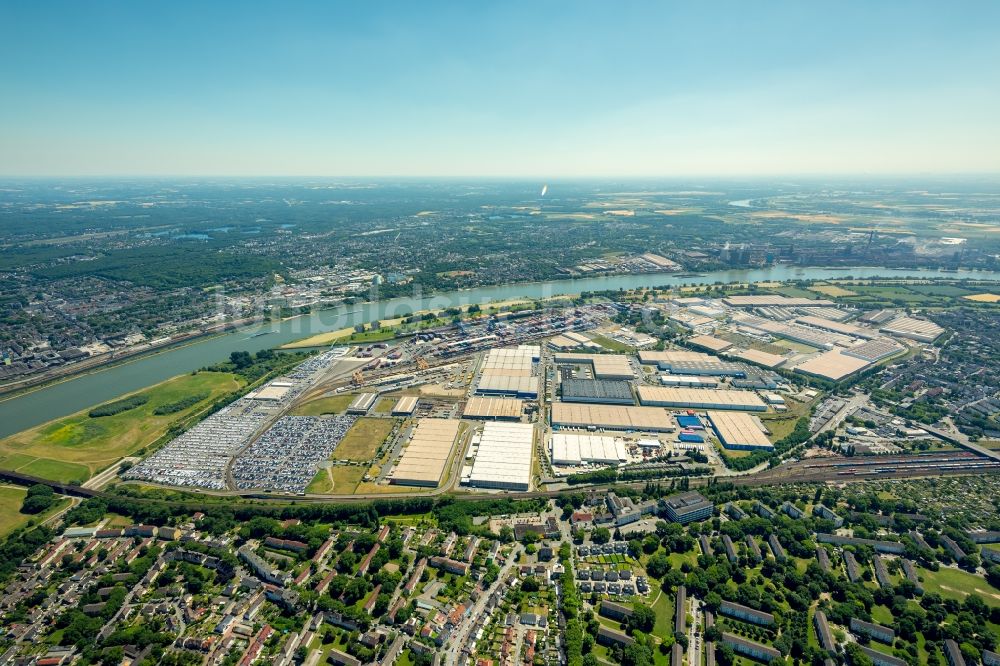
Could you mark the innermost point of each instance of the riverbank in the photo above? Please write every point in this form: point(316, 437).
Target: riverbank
point(66, 397)
point(344, 335)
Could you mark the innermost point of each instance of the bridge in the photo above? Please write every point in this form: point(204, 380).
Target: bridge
point(958, 439)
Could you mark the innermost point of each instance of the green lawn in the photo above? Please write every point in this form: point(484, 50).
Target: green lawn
point(882, 615)
point(956, 584)
point(11, 498)
point(664, 609)
point(47, 468)
point(76, 447)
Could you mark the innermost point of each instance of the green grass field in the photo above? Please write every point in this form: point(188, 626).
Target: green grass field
point(956, 584)
point(363, 439)
point(76, 447)
point(613, 345)
point(11, 518)
point(332, 405)
point(664, 609)
point(11, 498)
point(384, 405)
point(339, 479)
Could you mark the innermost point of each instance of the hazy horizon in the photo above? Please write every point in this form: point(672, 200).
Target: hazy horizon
point(508, 91)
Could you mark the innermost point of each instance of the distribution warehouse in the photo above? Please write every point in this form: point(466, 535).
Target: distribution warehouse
point(577, 449)
point(510, 372)
point(603, 391)
point(500, 409)
point(504, 458)
point(693, 398)
point(610, 417)
point(423, 461)
point(739, 431)
point(606, 366)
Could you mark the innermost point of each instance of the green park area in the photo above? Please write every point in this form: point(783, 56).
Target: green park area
point(11, 500)
point(956, 584)
point(74, 448)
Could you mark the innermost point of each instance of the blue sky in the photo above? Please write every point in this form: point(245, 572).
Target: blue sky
point(560, 89)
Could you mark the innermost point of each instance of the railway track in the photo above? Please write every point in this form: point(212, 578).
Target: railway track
point(266, 501)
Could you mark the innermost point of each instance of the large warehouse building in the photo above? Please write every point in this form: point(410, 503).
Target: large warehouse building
point(834, 365)
point(838, 327)
point(914, 329)
point(503, 461)
point(362, 403)
point(606, 366)
point(600, 391)
point(663, 359)
point(739, 431)
point(875, 350)
point(493, 409)
point(610, 417)
point(578, 449)
point(424, 459)
point(763, 358)
point(693, 398)
point(510, 372)
point(716, 368)
point(710, 342)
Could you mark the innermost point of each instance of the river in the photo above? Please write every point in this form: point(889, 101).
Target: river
point(72, 395)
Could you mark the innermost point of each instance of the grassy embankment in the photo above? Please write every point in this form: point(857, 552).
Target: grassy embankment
point(76, 447)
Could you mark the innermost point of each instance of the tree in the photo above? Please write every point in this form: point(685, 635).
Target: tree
point(725, 654)
point(637, 654)
point(600, 535)
point(39, 498)
point(241, 359)
point(642, 619)
point(658, 565)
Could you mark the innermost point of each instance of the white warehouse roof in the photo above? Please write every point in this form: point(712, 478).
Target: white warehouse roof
point(504, 457)
point(576, 449)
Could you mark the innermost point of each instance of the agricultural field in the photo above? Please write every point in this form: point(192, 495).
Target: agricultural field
point(74, 448)
point(832, 290)
point(983, 298)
